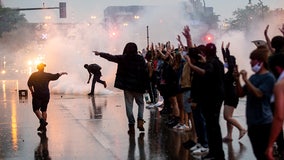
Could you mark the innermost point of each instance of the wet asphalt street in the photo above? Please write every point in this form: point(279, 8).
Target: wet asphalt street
point(95, 128)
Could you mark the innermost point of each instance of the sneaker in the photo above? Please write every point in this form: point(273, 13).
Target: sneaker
point(197, 157)
point(185, 127)
point(43, 124)
point(178, 126)
point(181, 127)
point(200, 151)
point(195, 147)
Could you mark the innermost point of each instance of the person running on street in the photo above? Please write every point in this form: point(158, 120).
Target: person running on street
point(38, 85)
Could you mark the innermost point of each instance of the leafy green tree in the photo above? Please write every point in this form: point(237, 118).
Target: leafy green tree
point(10, 19)
point(243, 18)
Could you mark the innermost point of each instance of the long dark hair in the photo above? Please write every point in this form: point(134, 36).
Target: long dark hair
point(130, 48)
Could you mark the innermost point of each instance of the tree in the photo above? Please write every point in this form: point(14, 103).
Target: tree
point(249, 15)
point(10, 19)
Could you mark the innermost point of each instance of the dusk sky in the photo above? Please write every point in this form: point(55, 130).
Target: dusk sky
point(82, 10)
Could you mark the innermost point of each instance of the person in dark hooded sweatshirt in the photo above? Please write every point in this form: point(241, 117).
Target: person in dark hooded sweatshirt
point(131, 76)
point(212, 99)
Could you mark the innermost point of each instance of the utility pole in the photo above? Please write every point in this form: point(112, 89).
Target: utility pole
point(147, 35)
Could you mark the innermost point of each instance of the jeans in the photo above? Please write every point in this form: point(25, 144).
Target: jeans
point(129, 96)
point(211, 113)
point(200, 126)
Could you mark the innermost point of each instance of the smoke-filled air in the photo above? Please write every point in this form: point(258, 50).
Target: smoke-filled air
point(68, 47)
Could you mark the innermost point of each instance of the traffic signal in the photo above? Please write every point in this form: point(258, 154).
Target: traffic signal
point(62, 9)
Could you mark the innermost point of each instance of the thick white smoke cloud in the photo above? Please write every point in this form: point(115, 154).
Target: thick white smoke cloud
point(68, 50)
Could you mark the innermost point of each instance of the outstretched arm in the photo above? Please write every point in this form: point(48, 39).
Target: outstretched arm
point(109, 57)
point(63, 73)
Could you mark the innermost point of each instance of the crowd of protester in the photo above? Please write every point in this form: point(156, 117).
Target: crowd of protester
point(192, 81)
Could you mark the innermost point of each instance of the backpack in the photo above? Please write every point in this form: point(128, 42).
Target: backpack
point(94, 67)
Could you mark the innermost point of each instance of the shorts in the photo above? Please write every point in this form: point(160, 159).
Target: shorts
point(168, 90)
point(186, 103)
point(231, 101)
point(40, 104)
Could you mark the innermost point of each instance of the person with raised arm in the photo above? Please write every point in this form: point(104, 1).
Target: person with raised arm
point(231, 98)
point(131, 77)
point(38, 85)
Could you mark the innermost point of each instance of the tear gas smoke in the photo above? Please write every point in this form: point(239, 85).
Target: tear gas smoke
point(69, 49)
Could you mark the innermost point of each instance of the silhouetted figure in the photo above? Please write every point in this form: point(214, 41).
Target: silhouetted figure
point(38, 85)
point(95, 71)
point(131, 77)
point(212, 99)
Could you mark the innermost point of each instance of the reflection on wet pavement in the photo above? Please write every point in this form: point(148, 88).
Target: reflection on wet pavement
point(41, 152)
point(96, 109)
point(83, 127)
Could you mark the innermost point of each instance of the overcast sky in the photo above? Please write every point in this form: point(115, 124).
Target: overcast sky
point(83, 9)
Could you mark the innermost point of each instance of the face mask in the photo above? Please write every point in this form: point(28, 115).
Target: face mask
point(226, 65)
point(256, 68)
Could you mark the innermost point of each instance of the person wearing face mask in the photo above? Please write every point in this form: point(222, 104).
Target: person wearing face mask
point(231, 98)
point(258, 89)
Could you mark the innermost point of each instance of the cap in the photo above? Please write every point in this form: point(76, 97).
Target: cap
point(210, 50)
point(41, 65)
point(259, 43)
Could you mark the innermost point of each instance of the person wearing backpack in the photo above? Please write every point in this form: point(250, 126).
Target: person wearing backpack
point(95, 70)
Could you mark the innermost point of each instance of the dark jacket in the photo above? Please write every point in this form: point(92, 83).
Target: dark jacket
point(131, 71)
